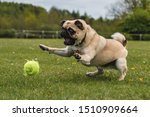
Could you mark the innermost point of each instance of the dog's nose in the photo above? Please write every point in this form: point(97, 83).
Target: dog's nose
point(63, 33)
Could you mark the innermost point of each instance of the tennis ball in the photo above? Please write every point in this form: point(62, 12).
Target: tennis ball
point(31, 68)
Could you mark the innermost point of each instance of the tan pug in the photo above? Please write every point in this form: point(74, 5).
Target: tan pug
point(92, 49)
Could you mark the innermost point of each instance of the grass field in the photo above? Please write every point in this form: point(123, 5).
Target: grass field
point(64, 78)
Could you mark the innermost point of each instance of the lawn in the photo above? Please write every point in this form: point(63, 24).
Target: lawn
point(64, 78)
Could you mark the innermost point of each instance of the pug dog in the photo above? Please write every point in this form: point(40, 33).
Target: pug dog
point(90, 48)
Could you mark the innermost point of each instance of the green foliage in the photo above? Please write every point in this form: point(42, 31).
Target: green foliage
point(138, 22)
point(29, 17)
point(64, 78)
point(7, 33)
point(134, 18)
point(21, 16)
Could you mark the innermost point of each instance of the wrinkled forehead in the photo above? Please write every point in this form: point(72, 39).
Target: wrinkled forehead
point(69, 23)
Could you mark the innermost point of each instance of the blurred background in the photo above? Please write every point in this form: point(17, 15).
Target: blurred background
point(24, 24)
point(41, 18)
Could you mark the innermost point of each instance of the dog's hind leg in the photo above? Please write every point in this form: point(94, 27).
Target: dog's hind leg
point(99, 71)
point(121, 65)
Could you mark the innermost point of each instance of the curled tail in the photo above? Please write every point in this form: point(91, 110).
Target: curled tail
point(120, 37)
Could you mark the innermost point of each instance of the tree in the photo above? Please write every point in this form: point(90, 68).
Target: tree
point(22, 16)
point(125, 7)
point(75, 14)
point(138, 22)
point(145, 4)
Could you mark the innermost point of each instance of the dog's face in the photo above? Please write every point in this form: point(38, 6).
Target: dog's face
point(73, 31)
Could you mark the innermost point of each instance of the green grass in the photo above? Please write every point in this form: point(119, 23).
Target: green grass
point(64, 78)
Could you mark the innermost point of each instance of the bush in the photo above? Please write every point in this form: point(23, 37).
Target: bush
point(145, 37)
point(7, 33)
point(138, 22)
point(128, 36)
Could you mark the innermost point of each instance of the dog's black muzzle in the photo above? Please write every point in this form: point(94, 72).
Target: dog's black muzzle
point(68, 39)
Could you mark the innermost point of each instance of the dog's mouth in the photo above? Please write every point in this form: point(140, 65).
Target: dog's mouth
point(69, 41)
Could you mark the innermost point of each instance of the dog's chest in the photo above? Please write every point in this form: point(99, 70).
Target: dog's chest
point(78, 50)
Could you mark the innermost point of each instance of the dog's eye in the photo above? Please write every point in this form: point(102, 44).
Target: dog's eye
point(71, 31)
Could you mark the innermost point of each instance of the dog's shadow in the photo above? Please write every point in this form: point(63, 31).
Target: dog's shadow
point(79, 79)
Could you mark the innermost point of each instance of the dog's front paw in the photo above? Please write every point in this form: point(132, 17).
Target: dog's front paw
point(46, 48)
point(77, 56)
point(43, 47)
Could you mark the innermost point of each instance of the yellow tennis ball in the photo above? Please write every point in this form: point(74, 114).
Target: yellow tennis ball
point(31, 68)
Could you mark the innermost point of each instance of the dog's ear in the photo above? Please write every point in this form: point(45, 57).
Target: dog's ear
point(62, 22)
point(79, 24)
